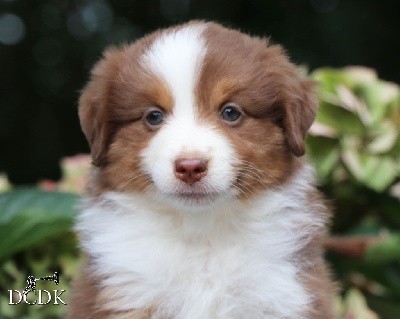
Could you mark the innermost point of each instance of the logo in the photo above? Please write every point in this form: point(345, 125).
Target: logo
point(42, 294)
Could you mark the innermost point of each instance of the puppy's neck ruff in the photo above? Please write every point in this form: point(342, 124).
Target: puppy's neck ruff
point(191, 266)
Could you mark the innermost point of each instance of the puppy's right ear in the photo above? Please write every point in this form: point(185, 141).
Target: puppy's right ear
point(93, 108)
point(93, 118)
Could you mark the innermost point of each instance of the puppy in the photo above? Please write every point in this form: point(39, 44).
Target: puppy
point(200, 205)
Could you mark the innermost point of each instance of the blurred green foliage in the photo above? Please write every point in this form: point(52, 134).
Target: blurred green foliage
point(358, 126)
point(36, 237)
point(57, 252)
point(355, 148)
point(28, 216)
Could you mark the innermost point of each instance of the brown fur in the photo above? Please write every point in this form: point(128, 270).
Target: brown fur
point(314, 272)
point(257, 77)
point(279, 108)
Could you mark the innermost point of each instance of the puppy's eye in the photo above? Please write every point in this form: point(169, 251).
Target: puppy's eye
point(231, 113)
point(154, 117)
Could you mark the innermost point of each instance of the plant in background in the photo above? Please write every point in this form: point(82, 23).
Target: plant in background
point(36, 237)
point(355, 148)
point(356, 135)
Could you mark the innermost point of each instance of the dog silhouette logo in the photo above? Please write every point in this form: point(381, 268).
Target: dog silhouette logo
point(31, 287)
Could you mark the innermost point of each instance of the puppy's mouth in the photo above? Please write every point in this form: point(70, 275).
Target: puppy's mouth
point(195, 197)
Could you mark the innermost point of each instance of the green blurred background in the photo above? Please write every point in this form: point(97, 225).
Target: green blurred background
point(47, 49)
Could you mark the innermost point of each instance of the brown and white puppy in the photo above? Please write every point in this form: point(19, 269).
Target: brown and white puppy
point(200, 205)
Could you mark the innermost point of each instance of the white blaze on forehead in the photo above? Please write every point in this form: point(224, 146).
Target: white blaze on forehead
point(176, 58)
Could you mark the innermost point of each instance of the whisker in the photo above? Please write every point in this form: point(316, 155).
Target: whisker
point(248, 165)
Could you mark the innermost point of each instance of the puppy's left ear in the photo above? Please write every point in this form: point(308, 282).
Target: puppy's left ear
point(300, 112)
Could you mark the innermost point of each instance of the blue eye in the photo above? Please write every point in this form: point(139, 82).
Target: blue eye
point(231, 113)
point(154, 118)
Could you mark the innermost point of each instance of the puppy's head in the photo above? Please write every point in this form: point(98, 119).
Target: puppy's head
point(195, 114)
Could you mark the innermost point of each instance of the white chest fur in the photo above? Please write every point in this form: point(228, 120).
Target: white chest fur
point(235, 261)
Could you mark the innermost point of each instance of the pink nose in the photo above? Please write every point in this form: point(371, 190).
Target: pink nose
point(190, 170)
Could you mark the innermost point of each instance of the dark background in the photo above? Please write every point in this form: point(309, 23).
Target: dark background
point(48, 47)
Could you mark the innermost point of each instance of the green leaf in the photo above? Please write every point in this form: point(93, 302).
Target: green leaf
point(377, 96)
point(328, 79)
point(357, 75)
point(382, 175)
point(386, 251)
point(323, 153)
point(29, 215)
point(386, 135)
point(341, 120)
point(376, 172)
point(350, 77)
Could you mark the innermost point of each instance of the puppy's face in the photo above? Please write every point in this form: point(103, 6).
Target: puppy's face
point(196, 114)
